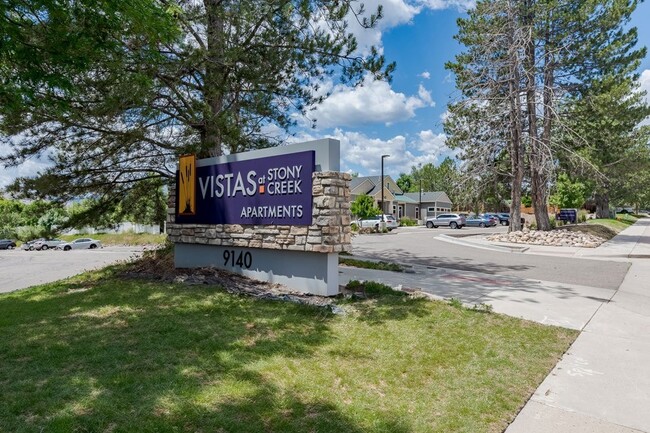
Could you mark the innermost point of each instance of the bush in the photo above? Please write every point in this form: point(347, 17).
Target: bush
point(408, 222)
point(27, 233)
point(373, 289)
point(354, 227)
point(582, 215)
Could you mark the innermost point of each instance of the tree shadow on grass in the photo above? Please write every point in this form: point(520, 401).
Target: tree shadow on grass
point(125, 356)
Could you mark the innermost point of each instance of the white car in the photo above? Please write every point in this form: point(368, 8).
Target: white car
point(373, 222)
point(46, 244)
point(79, 244)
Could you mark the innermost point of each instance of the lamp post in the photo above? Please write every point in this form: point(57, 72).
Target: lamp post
point(382, 223)
point(420, 202)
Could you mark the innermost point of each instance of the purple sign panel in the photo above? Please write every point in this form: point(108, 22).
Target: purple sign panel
point(270, 190)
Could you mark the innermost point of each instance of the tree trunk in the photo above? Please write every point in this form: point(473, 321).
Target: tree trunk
point(602, 204)
point(539, 146)
point(211, 137)
point(516, 144)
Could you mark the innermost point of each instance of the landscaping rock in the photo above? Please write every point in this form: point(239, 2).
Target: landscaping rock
point(555, 238)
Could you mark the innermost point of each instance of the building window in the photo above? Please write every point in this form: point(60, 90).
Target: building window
point(394, 209)
point(431, 209)
point(417, 213)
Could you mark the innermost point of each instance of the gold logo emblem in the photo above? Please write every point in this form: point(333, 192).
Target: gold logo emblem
point(187, 185)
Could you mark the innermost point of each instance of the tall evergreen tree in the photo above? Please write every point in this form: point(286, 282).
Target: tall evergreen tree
point(113, 91)
point(523, 60)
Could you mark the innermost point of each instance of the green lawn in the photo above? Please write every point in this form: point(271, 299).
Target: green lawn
point(128, 238)
point(619, 224)
point(100, 353)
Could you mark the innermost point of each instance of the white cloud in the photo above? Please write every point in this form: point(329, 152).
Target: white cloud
point(425, 96)
point(644, 82)
point(426, 75)
point(395, 13)
point(363, 154)
point(29, 168)
point(461, 5)
point(372, 102)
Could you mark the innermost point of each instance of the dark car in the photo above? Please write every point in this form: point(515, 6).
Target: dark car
point(7, 244)
point(502, 218)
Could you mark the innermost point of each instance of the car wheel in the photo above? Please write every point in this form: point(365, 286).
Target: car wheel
point(44, 248)
point(93, 246)
point(31, 248)
point(430, 225)
point(10, 247)
point(453, 225)
point(481, 225)
point(67, 248)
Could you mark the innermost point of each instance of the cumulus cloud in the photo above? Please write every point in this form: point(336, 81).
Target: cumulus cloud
point(426, 75)
point(362, 153)
point(372, 102)
point(395, 13)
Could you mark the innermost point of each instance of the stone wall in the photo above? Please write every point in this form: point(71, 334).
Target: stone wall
point(329, 231)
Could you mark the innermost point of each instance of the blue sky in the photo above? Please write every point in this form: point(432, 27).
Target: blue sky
point(403, 118)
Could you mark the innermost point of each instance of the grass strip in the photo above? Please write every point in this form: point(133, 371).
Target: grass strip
point(128, 238)
point(367, 264)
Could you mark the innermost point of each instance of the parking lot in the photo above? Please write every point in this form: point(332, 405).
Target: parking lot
point(20, 269)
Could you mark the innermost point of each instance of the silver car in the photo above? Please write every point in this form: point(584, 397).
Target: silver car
point(453, 220)
point(46, 244)
point(79, 244)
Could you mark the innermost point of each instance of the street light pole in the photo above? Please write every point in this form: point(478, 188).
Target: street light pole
point(382, 188)
point(420, 202)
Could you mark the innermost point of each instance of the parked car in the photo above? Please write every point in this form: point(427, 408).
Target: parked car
point(492, 216)
point(453, 220)
point(79, 244)
point(373, 222)
point(46, 244)
point(504, 218)
point(29, 245)
point(479, 221)
point(7, 244)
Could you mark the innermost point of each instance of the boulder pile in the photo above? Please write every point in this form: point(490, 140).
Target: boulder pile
point(556, 238)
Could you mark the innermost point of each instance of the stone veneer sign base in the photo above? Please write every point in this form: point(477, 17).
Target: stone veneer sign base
point(302, 257)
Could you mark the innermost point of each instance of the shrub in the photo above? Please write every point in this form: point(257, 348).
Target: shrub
point(408, 222)
point(354, 227)
point(582, 215)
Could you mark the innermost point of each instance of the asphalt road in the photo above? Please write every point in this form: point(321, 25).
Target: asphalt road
point(407, 245)
point(418, 245)
point(20, 269)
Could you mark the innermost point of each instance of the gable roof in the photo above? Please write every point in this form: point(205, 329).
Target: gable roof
point(429, 196)
point(375, 182)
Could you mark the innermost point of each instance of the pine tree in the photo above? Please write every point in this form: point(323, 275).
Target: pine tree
point(113, 91)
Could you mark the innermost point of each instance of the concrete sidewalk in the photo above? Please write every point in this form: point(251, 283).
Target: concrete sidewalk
point(602, 383)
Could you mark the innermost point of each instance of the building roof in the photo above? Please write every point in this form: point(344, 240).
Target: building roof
point(403, 198)
point(375, 182)
point(429, 196)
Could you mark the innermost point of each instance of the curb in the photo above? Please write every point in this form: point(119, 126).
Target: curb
point(502, 248)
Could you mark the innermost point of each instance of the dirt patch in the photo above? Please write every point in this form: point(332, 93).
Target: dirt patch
point(592, 229)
